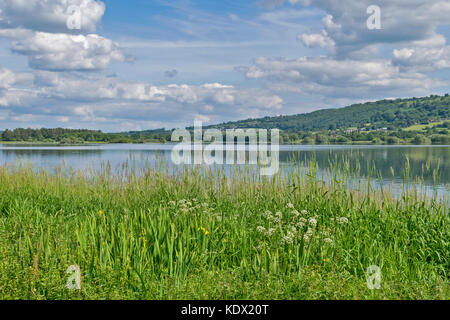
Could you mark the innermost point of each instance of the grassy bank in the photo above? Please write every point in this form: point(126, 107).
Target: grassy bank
point(202, 234)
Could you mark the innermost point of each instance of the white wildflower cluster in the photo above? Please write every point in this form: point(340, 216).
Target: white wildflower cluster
point(189, 206)
point(270, 232)
point(288, 239)
point(308, 235)
point(326, 233)
point(271, 217)
point(290, 206)
point(312, 222)
point(342, 220)
point(260, 246)
point(291, 227)
point(302, 222)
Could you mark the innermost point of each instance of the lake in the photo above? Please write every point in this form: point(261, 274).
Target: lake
point(429, 163)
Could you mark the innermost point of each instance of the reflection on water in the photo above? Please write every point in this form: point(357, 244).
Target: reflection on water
point(429, 163)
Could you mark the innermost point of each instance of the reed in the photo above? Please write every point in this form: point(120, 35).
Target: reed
point(218, 233)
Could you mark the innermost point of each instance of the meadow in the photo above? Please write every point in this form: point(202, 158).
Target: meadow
point(203, 233)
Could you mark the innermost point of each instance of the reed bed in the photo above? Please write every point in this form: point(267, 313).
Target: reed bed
point(217, 233)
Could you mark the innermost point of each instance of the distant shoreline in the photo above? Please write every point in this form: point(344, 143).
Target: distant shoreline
point(358, 143)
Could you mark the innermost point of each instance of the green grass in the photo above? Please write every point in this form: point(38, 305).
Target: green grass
point(202, 234)
point(423, 127)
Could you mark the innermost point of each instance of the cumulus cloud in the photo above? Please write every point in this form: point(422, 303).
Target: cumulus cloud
point(49, 15)
point(58, 51)
point(321, 40)
point(402, 20)
point(354, 66)
point(39, 31)
point(338, 78)
point(8, 78)
point(104, 100)
point(421, 59)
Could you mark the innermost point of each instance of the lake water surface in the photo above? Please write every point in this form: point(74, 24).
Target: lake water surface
point(430, 163)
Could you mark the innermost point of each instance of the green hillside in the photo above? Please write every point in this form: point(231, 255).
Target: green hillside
point(390, 114)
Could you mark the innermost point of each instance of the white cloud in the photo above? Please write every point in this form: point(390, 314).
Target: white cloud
point(58, 51)
point(9, 78)
point(355, 66)
point(422, 59)
point(49, 15)
point(318, 40)
point(39, 31)
point(103, 99)
point(401, 20)
point(338, 78)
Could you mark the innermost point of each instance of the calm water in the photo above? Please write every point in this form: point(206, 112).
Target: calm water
point(390, 161)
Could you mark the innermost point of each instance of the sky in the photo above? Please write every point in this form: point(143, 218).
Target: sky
point(145, 64)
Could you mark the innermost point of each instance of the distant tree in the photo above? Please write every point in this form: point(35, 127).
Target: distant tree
point(421, 139)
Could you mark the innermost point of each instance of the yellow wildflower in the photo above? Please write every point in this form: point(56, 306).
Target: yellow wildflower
point(202, 229)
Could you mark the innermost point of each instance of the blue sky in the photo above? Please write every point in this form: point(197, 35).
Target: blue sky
point(144, 64)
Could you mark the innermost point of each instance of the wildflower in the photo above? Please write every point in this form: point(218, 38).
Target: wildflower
point(328, 241)
point(342, 220)
point(326, 260)
point(270, 232)
point(287, 239)
point(261, 229)
point(260, 246)
point(290, 206)
point(279, 215)
point(312, 222)
point(296, 213)
point(100, 212)
point(172, 203)
point(325, 233)
point(300, 224)
point(267, 215)
point(304, 212)
point(202, 229)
